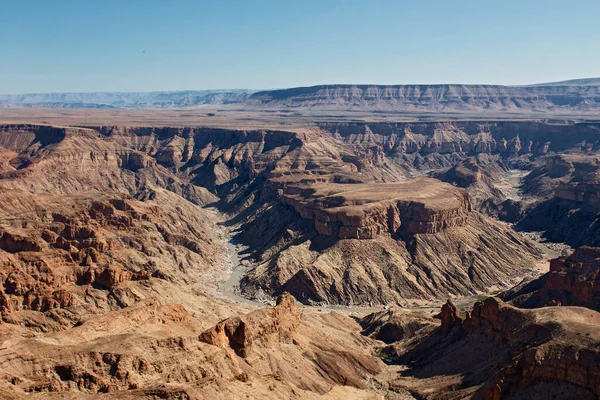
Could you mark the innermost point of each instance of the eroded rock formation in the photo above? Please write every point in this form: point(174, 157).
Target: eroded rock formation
point(240, 333)
point(107, 257)
point(572, 281)
point(499, 351)
point(363, 211)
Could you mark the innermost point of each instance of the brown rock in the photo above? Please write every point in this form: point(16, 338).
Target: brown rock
point(112, 276)
point(449, 316)
point(572, 281)
point(363, 211)
point(239, 334)
point(14, 243)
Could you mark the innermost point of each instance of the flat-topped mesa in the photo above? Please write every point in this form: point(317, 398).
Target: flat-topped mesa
point(365, 210)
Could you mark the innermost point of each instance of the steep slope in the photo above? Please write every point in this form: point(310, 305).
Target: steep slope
point(572, 281)
point(570, 186)
point(497, 351)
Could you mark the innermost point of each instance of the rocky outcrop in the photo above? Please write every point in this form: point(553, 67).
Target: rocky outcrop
point(112, 276)
point(449, 316)
point(464, 174)
point(396, 324)
point(498, 351)
point(572, 281)
point(480, 175)
point(240, 334)
point(577, 177)
point(14, 243)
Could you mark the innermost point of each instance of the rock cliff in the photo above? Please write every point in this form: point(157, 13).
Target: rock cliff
point(570, 184)
point(240, 333)
point(499, 351)
point(363, 211)
point(572, 281)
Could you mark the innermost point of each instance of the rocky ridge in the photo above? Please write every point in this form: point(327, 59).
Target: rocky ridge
point(430, 98)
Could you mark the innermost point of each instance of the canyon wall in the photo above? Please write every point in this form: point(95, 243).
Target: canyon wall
point(507, 139)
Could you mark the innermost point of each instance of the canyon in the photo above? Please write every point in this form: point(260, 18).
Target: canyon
point(116, 246)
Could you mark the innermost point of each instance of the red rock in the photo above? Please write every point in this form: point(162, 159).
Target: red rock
point(277, 324)
point(14, 243)
point(449, 316)
point(112, 276)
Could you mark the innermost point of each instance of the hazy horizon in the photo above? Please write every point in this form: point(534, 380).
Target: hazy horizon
point(151, 46)
point(291, 87)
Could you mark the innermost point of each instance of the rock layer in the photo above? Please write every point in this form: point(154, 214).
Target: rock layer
point(499, 351)
point(239, 333)
point(572, 281)
point(429, 98)
point(363, 211)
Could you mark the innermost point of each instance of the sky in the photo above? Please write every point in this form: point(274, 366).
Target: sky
point(148, 45)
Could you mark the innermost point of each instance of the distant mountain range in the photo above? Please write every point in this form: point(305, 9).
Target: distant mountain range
point(570, 96)
point(578, 96)
point(175, 99)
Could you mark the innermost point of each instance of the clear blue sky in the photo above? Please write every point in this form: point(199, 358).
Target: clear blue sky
point(146, 45)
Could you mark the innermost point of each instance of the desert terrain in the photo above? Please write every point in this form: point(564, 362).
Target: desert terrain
point(305, 243)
